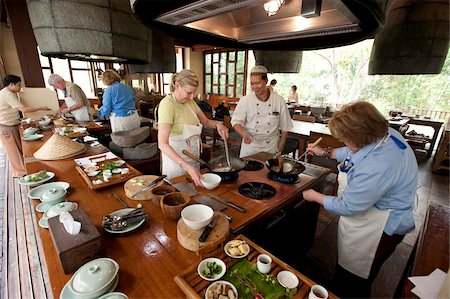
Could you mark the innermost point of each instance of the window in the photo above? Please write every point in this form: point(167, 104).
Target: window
point(225, 72)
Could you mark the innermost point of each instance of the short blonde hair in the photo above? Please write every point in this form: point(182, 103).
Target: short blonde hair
point(185, 77)
point(110, 76)
point(359, 123)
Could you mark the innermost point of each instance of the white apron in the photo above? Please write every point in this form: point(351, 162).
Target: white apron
point(189, 140)
point(80, 114)
point(124, 123)
point(260, 143)
point(359, 235)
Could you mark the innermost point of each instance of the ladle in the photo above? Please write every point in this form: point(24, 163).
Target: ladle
point(227, 154)
point(289, 166)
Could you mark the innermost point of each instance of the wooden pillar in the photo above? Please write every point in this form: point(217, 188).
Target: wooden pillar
point(25, 43)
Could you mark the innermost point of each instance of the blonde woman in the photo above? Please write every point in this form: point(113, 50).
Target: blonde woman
point(180, 123)
point(119, 103)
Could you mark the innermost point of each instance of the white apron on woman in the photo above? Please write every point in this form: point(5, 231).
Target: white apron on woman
point(359, 235)
point(80, 114)
point(125, 123)
point(189, 140)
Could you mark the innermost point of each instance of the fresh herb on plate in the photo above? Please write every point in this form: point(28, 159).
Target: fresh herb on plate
point(212, 269)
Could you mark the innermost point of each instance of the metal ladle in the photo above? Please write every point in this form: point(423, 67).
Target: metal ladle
point(227, 154)
point(288, 166)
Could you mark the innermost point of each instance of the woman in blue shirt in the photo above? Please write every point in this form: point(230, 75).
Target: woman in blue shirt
point(377, 187)
point(119, 104)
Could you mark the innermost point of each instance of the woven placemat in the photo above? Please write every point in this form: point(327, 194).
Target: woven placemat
point(59, 147)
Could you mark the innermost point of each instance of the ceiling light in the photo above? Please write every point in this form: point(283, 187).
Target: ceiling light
point(272, 6)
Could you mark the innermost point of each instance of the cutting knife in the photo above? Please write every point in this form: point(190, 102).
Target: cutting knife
point(228, 203)
point(208, 229)
point(148, 186)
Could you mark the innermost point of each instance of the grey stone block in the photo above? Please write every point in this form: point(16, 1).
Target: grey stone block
point(141, 151)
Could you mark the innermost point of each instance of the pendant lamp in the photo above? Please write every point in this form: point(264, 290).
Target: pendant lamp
point(92, 30)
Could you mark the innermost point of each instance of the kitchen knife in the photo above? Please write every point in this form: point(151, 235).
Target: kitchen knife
point(148, 186)
point(228, 203)
point(208, 229)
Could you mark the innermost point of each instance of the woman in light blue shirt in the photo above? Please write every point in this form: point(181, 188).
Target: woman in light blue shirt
point(377, 187)
point(119, 104)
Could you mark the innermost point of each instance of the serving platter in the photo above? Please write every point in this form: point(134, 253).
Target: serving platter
point(98, 181)
point(50, 175)
point(37, 192)
point(129, 228)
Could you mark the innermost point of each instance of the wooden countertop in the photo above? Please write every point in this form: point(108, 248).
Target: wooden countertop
point(151, 256)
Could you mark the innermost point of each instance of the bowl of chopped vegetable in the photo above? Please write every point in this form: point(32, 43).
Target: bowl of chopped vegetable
point(211, 269)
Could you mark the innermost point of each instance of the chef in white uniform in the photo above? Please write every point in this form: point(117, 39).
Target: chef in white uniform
point(180, 123)
point(377, 187)
point(259, 117)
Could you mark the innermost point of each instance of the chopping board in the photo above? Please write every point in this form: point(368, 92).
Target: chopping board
point(134, 185)
point(188, 238)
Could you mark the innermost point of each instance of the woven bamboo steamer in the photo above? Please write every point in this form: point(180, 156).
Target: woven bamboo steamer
point(59, 147)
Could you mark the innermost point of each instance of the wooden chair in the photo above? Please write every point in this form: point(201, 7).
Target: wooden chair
point(331, 164)
point(291, 147)
point(233, 136)
point(307, 118)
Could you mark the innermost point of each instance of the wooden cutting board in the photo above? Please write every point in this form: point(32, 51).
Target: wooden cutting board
point(132, 186)
point(188, 238)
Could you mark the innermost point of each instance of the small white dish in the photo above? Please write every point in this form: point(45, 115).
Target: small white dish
point(287, 279)
point(233, 253)
point(32, 137)
point(43, 207)
point(37, 192)
point(119, 163)
point(93, 173)
point(43, 222)
point(214, 284)
point(91, 168)
point(203, 264)
point(117, 170)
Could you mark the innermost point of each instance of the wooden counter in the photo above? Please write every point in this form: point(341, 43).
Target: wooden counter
point(151, 256)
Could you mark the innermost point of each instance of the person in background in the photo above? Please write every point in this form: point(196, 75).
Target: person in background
point(293, 97)
point(375, 199)
point(272, 84)
point(259, 117)
point(75, 100)
point(9, 123)
point(180, 123)
point(119, 103)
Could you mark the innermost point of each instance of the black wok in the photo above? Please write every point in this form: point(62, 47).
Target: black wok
point(219, 166)
point(285, 167)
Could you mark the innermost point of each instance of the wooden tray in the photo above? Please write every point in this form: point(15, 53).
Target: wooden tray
point(195, 287)
point(115, 179)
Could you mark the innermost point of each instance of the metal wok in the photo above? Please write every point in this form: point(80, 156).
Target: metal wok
point(285, 167)
point(220, 166)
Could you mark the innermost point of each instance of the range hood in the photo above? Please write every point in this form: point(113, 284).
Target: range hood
point(245, 23)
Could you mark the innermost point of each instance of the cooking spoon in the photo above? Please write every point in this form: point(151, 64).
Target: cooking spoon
point(289, 165)
point(227, 154)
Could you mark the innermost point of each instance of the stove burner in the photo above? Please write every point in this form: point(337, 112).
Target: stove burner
point(286, 179)
point(257, 190)
point(228, 177)
point(253, 165)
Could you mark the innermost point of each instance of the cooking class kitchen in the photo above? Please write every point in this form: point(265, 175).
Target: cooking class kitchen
point(190, 149)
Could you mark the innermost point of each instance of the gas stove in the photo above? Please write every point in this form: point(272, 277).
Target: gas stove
point(257, 190)
point(285, 179)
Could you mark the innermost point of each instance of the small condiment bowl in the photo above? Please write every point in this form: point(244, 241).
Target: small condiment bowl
point(203, 265)
point(45, 122)
point(197, 216)
point(94, 278)
point(54, 196)
point(160, 191)
point(210, 180)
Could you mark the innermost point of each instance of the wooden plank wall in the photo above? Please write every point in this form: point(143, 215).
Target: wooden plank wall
point(24, 270)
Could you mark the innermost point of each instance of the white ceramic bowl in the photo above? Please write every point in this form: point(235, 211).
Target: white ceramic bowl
point(44, 122)
point(214, 285)
point(287, 279)
point(203, 265)
point(94, 278)
point(54, 195)
point(210, 180)
point(197, 216)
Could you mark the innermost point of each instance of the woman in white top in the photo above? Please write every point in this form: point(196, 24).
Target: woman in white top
point(293, 97)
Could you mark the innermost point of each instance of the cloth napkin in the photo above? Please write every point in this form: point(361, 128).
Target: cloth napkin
point(427, 287)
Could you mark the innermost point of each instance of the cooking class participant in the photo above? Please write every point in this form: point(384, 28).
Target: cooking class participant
point(9, 123)
point(259, 117)
point(377, 186)
point(75, 100)
point(119, 103)
point(272, 84)
point(180, 122)
point(293, 97)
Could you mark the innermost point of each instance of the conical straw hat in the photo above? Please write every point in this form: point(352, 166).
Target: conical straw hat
point(59, 147)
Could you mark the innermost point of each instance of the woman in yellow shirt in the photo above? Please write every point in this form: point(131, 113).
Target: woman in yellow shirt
point(180, 123)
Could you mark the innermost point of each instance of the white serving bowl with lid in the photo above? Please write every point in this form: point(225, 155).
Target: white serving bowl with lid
point(54, 195)
point(94, 278)
point(197, 216)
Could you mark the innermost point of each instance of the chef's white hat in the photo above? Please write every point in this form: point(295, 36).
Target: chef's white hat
point(259, 69)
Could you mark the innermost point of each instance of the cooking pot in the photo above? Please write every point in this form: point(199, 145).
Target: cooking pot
point(285, 167)
point(219, 166)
